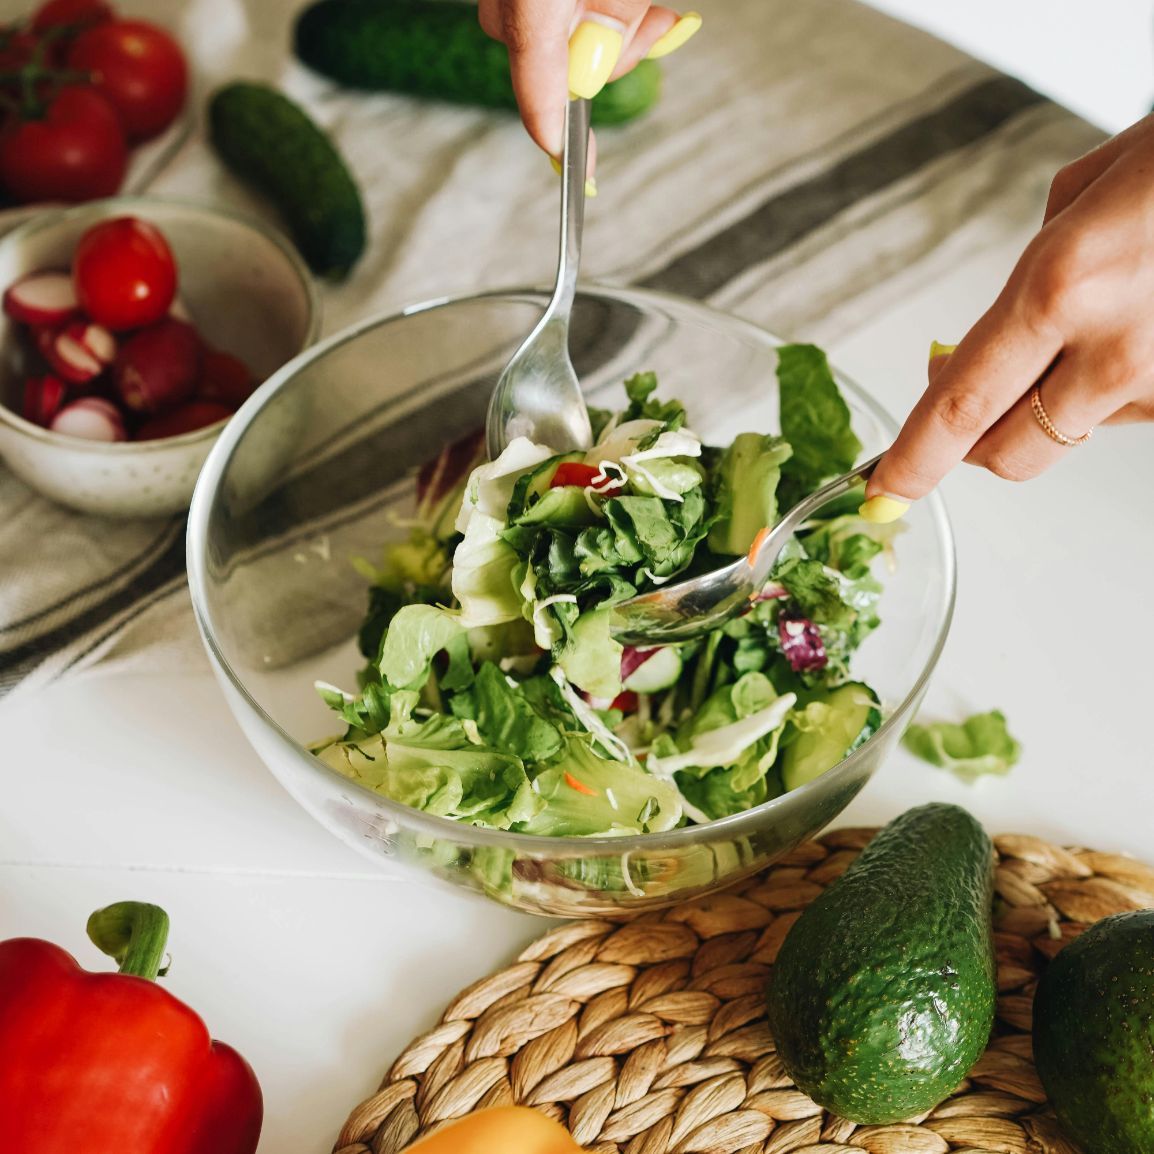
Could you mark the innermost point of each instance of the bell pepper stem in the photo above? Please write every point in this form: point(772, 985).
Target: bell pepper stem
point(134, 934)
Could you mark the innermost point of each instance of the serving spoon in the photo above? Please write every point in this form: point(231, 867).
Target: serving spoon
point(538, 395)
point(687, 609)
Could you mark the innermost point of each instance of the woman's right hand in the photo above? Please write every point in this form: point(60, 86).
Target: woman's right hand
point(1069, 343)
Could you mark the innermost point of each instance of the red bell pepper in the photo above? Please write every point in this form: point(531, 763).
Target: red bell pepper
point(111, 1063)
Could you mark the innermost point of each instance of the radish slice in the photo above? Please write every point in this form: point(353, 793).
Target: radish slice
point(68, 357)
point(95, 339)
point(42, 298)
point(179, 311)
point(92, 418)
point(43, 397)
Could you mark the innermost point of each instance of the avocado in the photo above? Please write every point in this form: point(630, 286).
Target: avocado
point(882, 996)
point(1094, 1035)
point(437, 48)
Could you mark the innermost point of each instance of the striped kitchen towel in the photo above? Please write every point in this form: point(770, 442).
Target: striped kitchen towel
point(809, 166)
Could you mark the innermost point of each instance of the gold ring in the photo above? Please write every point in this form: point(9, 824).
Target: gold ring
point(1048, 427)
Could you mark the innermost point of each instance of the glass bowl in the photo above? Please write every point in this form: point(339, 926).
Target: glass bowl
point(318, 469)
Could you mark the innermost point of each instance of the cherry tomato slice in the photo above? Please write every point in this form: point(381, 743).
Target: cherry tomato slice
point(626, 701)
point(140, 68)
point(124, 273)
point(580, 474)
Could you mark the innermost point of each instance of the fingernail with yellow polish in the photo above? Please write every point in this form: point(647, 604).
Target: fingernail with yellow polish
point(593, 52)
point(590, 183)
point(940, 350)
point(686, 27)
point(881, 510)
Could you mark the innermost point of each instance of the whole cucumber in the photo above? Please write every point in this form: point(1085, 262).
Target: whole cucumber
point(436, 48)
point(270, 142)
point(882, 996)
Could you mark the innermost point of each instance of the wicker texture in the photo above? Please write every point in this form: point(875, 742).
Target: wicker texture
point(649, 1036)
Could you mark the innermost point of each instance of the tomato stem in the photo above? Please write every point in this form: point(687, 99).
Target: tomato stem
point(134, 934)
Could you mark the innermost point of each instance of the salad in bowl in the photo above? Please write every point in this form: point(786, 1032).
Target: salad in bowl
point(495, 693)
point(498, 738)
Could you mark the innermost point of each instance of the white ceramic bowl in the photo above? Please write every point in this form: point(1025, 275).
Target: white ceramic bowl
point(248, 293)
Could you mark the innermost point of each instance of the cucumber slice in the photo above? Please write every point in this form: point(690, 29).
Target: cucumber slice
point(854, 715)
point(660, 671)
point(564, 506)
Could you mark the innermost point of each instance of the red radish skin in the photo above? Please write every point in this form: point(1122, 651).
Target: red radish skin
point(95, 340)
point(92, 419)
point(43, 398)
point(41, 299)
point(224, 378)
point(185, 419)
point(158, 367)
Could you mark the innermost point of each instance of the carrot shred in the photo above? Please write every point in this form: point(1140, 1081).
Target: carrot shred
point(580, 786)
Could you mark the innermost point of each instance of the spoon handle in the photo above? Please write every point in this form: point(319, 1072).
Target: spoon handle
point(771, 545)
point(574, 163)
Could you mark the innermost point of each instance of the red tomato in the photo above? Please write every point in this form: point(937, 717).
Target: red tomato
point(75, 151)
point(573, 473)
point(124, 273)
point(74, 13)
point(626, 701)
point(140, 68)
point(578, 473)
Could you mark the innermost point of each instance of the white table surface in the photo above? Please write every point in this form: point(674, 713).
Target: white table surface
point(319, 968)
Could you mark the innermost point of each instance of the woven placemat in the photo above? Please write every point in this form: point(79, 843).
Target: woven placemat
point(649, 1036)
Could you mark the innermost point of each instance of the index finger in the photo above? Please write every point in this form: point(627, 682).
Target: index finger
point(997, 361)
point(536, 33)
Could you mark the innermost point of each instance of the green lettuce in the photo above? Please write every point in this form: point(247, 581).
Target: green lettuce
point(745, 490)
point(815, 420)
point(980, 745)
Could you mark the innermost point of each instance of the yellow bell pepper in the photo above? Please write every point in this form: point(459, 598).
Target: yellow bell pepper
point(500, 1130)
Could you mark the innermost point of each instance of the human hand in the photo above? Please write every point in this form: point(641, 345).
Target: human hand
point(1074, 318)
point(588, 41)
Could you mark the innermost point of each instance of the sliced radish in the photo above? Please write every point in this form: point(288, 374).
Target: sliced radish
point(79, 352)
point(178, 310)
point(41, 298)
point(186, 418)
point(43, 397)
point(157, 368)
point(91, 418)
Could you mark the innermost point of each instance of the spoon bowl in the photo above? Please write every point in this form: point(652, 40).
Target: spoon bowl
point(687, 609)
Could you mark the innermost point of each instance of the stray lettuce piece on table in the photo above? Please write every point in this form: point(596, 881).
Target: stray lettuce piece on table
point(979, 745)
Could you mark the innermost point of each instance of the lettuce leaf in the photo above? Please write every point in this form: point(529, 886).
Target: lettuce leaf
point(417, 634)
point(815, 420)
point(980, 745)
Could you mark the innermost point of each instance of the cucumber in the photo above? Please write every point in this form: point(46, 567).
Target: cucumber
point(854, 714)
point(436, 48)
point(268, 141)
point(659, 672)
point(883, 992)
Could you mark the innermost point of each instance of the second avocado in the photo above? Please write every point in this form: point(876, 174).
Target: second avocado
point(883, 994)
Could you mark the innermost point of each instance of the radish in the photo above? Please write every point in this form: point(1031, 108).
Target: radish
point(224, 378)
point(157, 368)
point(41, 298)
point(186, 418)
point(91, 418)
point(79, 352)
point(43, 397)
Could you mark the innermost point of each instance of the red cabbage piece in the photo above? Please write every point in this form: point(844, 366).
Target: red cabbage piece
point(801, 643)
point(633, 658)
point(439, 476)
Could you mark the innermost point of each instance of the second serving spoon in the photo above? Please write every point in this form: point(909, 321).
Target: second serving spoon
point(538, 395)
